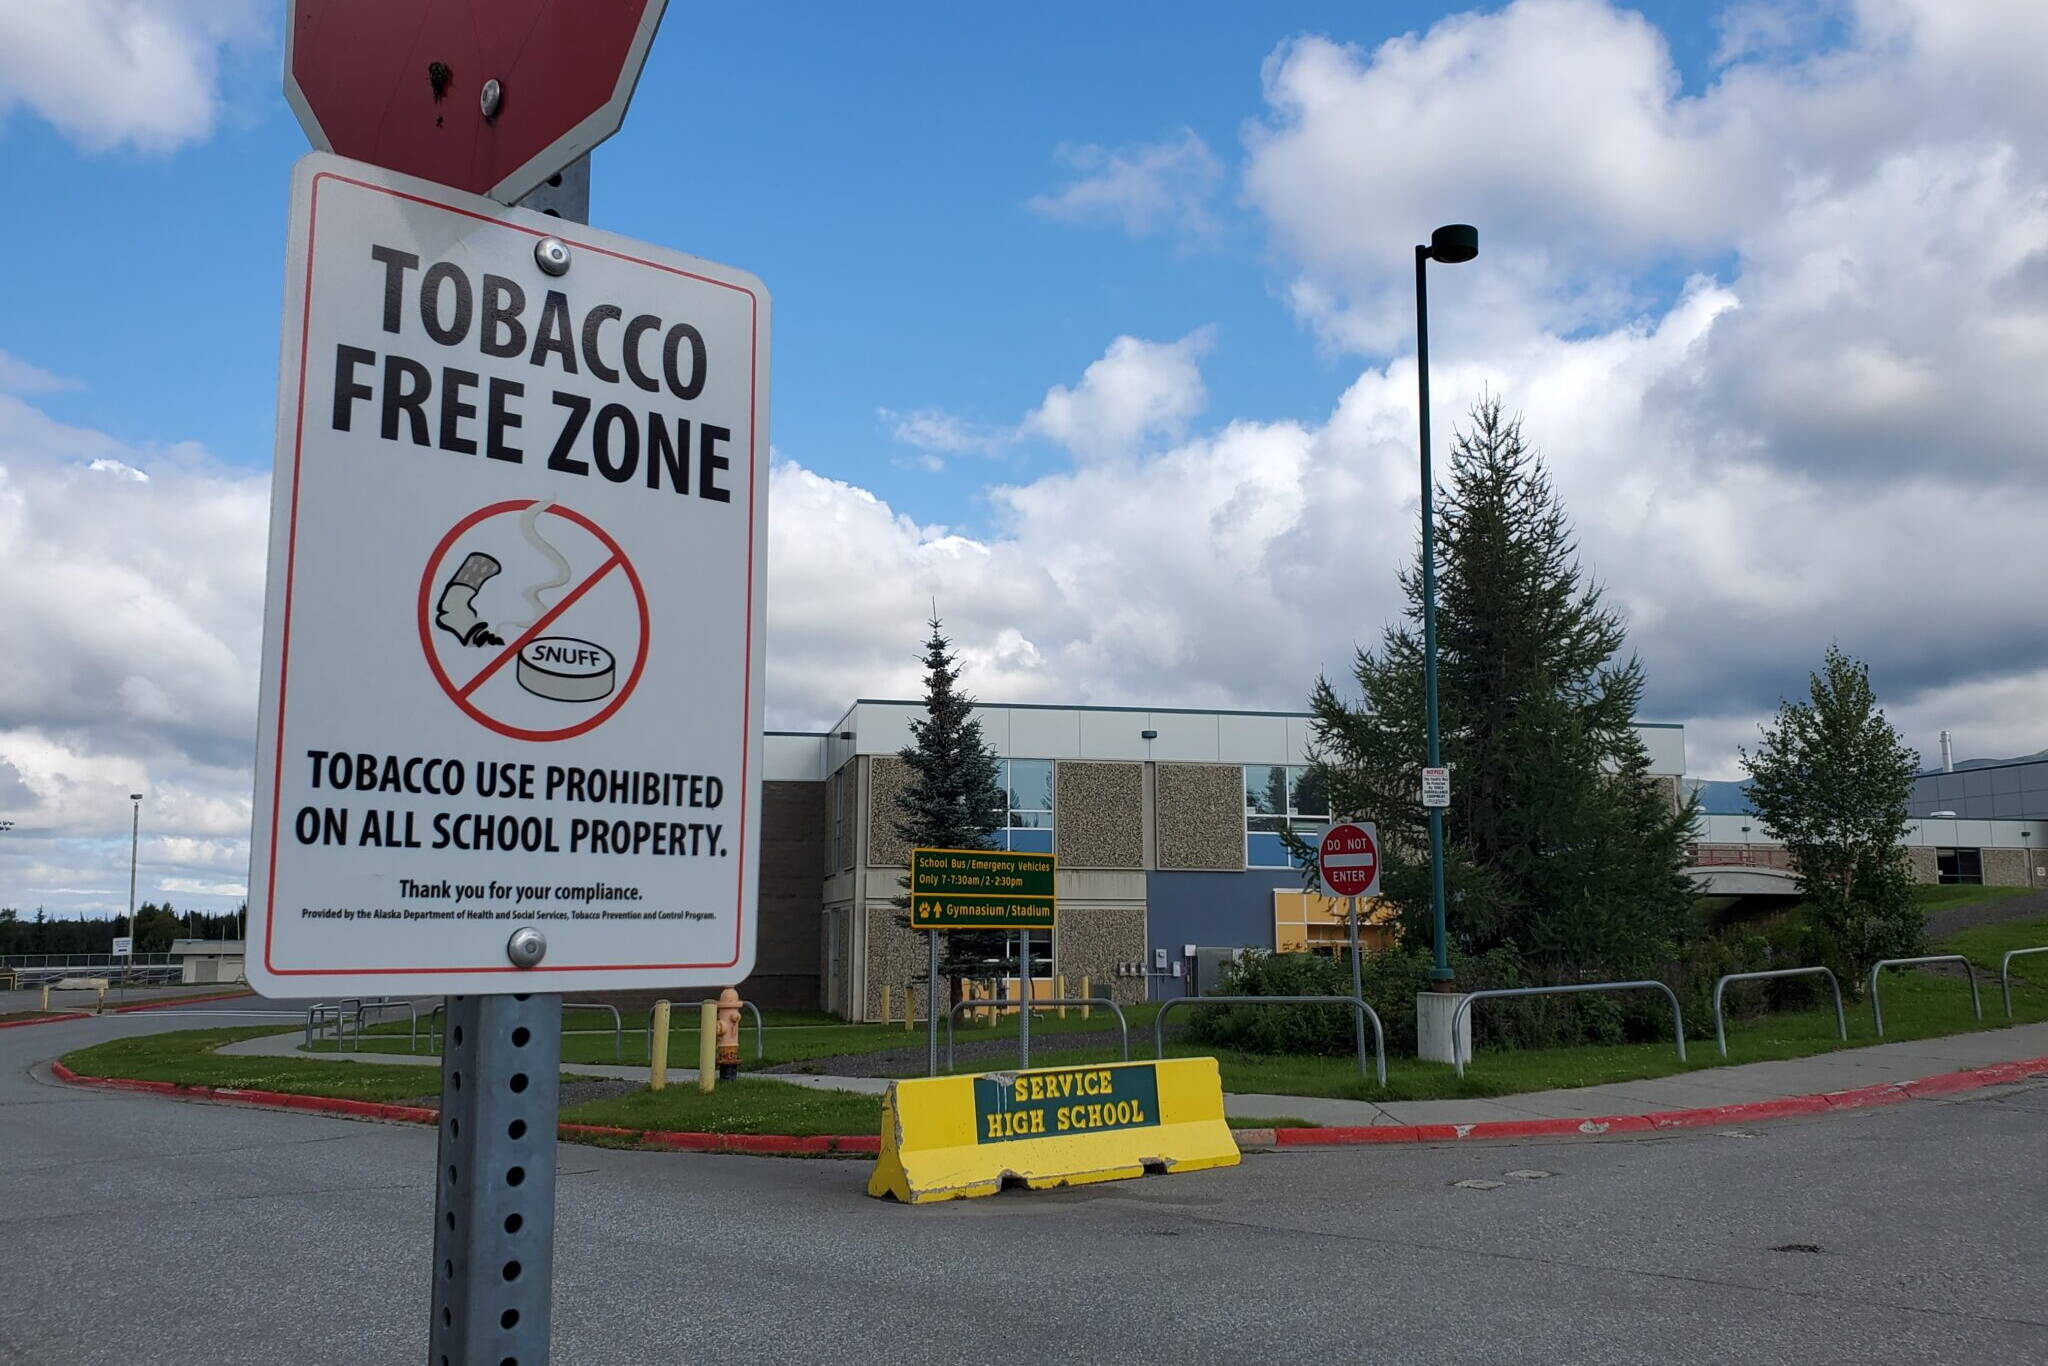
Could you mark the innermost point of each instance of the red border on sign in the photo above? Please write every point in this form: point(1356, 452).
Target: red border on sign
point(1324, 873)
point(741, 849)
point(459, 695)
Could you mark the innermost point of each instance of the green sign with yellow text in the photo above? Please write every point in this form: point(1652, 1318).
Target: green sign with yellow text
point(1064, 1102)
point(981, 889)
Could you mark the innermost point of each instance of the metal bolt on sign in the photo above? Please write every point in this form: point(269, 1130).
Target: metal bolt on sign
point(551, 254)
point(526, 947)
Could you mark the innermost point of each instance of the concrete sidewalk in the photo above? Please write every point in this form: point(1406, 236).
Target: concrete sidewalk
point(1754, 1081)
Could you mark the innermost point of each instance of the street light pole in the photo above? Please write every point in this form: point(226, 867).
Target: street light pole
point(134, 840)
point(1452, 244)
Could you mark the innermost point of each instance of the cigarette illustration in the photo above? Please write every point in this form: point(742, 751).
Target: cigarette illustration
point(558, 668)
point(456, 612)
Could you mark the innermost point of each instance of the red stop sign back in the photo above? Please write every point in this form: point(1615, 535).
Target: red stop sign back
point(401, 83)
point(1349, 859)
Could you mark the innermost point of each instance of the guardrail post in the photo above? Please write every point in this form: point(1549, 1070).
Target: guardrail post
point(1465, 1006)
point(1361, 1012)
point(1877, 1009)
point(707, 1045)
point(657, 1046)
point(2005, 974)
point(1721, 1035)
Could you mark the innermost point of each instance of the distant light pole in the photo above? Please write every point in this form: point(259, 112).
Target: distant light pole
point(134, 841)
point(2027, 853)
point(1452, 244)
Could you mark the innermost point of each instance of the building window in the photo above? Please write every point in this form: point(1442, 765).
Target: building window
point(1028, 783)
point(1281, 797)
point(1960, 865)
point(840, 783)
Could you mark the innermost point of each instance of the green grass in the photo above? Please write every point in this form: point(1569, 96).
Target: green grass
point(187, 1058)
point(1939, 898)
point(790, 1037)
point(746, 1106)
point(1916, 1006)
point(1986, 944)
point(1259, 1122)
point(749, 1105)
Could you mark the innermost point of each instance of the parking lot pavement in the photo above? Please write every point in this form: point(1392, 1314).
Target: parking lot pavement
point(142, 1229)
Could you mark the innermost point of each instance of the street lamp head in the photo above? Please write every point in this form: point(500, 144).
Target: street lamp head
point(1454, 243)
point(135, 796)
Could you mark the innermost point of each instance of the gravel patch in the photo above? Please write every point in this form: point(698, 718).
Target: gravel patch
point(1943, 923)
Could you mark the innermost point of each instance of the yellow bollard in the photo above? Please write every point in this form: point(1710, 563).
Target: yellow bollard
point(657, 1060)
point(1059, 991)
point(707, 1045)
point(46, 998)
point(1085, 996)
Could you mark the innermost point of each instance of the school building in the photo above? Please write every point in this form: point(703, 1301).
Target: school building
point(1166, 822)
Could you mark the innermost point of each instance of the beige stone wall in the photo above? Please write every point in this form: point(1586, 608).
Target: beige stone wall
point(2005, 868)
point(1667, 788)
point(1201, 816)
point(896, 957)
point(888, 776)
point(1924, 866)
point(1098, 815)
point(1091, 942)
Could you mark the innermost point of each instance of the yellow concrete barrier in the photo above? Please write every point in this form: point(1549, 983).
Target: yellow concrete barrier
point(945, 1138)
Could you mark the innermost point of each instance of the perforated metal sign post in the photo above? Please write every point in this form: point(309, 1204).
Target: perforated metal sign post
point(494, 1183)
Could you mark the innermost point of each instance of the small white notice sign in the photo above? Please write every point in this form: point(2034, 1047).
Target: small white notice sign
point(1436, 787)
point(512, 644)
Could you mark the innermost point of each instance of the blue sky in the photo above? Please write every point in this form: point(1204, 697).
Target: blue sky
point(1094, 323)
point(875, 170)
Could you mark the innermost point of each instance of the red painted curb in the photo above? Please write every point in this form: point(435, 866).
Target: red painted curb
point(760, 1145)
point(45, 1019)
point(1783, 1107)
point(867, 1145)
point(57, 1016)
point(180, 1001)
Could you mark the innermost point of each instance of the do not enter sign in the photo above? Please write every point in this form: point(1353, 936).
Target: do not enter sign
point(1349, 859)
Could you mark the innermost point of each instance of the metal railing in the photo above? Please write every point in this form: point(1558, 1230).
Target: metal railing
point(1042, 1003)
point(1358, 1006)
point(1465, 1007)
point(355, 1010)
point(1877, 1009)
point(2005, 973)
point(760, 1031)
point(618, 1026)
point(1721, 1034)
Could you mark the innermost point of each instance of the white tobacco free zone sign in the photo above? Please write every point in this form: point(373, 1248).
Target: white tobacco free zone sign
point(512, 645)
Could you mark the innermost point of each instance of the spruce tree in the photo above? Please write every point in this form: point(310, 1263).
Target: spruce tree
point(1830, 781)
point(1558, 845)
point(953, 799)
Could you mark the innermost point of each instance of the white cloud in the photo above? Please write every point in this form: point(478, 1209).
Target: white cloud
point(935, 434)
point(1145, 188)
point(123, 73)
point(134, 597)
point(1560, 128)
point(17, 376)
point(1138, 391)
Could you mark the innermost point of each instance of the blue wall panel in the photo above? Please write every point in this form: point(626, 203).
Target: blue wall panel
point(1214, 910)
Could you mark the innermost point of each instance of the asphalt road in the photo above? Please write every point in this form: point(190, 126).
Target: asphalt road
point(135, 1229)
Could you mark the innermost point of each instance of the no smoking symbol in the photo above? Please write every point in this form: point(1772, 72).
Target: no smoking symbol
point(533, 620)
